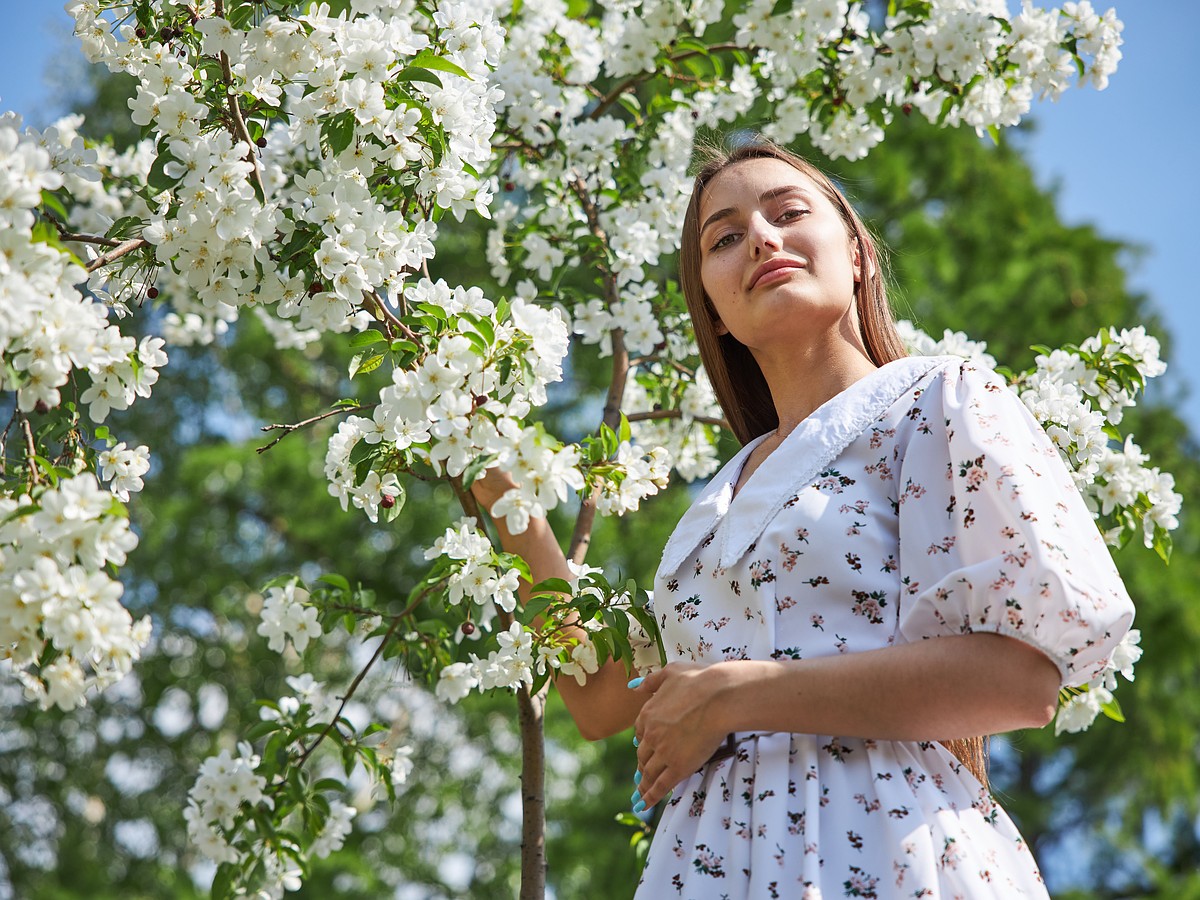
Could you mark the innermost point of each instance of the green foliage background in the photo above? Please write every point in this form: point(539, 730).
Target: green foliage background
point(976, 246)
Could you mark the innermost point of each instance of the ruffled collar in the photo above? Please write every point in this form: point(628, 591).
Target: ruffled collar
point(812, 445)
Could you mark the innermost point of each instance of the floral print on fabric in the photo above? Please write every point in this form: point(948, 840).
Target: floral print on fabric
point(921, 501)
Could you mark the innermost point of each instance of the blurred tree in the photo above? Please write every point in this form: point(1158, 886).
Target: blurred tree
point(93, 801)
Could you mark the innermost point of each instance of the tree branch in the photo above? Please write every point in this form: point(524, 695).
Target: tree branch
point(673, 414)
point(86, 238)
point(122, 249)
point(240, 132)
point(581, 538)
point(288, 429)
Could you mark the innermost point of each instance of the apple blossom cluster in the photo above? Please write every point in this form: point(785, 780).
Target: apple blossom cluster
point(688, 442)
point(477, 575)
point(63, 629)
point(527, 654)
point(222, 803)
point(573, 190)
point(123, 468)
point(1082, 706)
point(367, 124)
point(50, 330)
point(462, 401)
point(520, 657)
point(288, 616)
point(224, 784)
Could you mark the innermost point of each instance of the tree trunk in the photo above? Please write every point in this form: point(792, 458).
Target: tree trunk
point(530, 714)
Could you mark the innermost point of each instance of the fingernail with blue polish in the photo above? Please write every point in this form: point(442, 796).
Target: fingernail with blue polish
point(639, 806)
point(635, 740)
point(637, 777)
point(636, 797)
point(636, 682)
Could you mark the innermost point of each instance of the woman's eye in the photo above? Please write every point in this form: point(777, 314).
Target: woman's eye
point(724, 241)
point(789, 214)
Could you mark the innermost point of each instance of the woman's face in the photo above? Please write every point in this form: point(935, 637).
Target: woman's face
point(775, 257)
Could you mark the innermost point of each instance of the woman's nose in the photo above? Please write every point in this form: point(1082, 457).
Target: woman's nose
point(762, 235)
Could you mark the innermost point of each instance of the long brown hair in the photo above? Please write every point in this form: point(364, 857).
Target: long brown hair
point(736, 378)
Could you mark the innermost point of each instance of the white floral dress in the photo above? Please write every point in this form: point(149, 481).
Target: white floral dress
point(923, 500)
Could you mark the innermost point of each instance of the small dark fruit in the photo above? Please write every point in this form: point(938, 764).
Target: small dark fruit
point(509, 186)
point(262, 142)
point(41, 407)
point(152, 292)
point(906, 109)
point(140, 33)
point(315, 288)
point(167, 33)
point(468, 628)
point(387, 501)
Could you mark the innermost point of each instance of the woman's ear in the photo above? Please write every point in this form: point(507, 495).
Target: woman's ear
point(856, 255)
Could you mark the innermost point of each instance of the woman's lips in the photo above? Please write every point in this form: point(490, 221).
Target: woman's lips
point(774, 270)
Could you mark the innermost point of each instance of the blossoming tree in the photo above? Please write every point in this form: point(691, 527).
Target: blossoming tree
point(299, 161)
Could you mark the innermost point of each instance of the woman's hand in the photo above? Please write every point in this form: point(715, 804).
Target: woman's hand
point(676, 730)
point(491, 486)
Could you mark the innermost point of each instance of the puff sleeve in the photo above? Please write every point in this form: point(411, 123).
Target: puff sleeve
point(994, 537)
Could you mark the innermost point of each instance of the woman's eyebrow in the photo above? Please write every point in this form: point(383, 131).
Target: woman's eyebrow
point(772, 194)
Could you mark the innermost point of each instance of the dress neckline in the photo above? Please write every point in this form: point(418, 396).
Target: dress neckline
point(735, 522)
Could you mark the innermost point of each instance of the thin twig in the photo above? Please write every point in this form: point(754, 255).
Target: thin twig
point(87, 238)
point(383, 642)
point(288, 429)
point(122, 249)
point(31, 452)
point(662, 360)
point(396, 620)
point(386, 317)
point(633, 80)
point(240, 131)
point(673, 414)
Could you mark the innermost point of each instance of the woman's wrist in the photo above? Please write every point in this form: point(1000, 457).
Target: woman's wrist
point(737, 688)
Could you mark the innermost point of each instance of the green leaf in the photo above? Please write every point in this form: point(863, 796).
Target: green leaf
point(552, 586)
point(476, 467)
point(361, 364)
point(158, 180)
point(52, 203)
point(335, 580)
point(427, 60)
point(366, 338)
point(1112, 709)
point(532, 609)
point(625, 434)
point(337, 132)
point(416, 73)
point(222, 883)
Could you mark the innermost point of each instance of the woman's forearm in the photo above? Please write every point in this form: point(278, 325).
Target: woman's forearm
point(937, 689)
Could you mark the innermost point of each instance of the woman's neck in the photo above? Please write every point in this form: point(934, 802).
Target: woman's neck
point(802, 378)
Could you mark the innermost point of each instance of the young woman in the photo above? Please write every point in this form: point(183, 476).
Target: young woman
point(895, 563)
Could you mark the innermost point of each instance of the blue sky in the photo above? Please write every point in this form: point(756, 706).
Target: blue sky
point(1123, 158)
